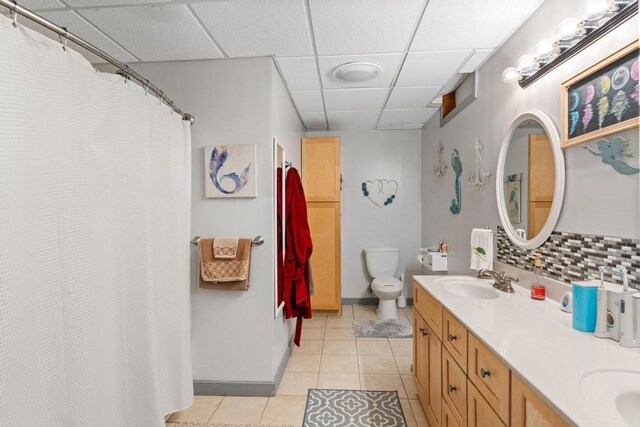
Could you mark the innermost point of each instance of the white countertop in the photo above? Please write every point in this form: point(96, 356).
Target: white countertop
point(536, 340)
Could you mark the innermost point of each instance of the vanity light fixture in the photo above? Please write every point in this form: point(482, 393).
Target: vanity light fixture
point(356, 71)
point(573, 35)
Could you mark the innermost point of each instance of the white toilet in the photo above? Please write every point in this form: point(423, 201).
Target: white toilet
point(382, 264)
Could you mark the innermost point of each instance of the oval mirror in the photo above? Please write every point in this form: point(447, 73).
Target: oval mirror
point(530, 179)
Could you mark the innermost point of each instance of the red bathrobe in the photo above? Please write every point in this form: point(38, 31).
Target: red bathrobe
point(297, 298)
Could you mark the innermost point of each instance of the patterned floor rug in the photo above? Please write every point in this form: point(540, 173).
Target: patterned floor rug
point(353, 408)
point(382, 328)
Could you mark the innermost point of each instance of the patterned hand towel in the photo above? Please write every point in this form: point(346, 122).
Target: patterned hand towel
point(225, 274)
point(481, 249)
point(225, 247)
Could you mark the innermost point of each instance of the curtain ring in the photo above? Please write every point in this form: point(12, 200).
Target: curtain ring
point(15, 14)
point(63, 38)
point(161, 98)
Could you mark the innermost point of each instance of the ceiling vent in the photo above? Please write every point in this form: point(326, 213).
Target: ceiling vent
point(356, 71)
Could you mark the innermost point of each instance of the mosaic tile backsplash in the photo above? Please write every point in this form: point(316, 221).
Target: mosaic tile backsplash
point(574, 257)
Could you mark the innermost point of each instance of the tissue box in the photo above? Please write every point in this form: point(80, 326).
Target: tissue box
point(435, 261)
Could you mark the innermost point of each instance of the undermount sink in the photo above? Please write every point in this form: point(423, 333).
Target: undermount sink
point(468, 287)
point(618, 392)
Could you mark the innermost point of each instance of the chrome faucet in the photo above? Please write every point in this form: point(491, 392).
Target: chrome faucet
point(502, 281)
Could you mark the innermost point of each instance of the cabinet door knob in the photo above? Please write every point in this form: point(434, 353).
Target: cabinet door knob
point(423, 331)
point(452, 338)
point(484, 373)
point(452, 388)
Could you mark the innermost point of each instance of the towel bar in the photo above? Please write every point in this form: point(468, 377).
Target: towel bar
point(257, 241)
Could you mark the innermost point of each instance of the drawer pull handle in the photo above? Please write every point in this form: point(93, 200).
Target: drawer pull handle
point(423, 331)
point(452, 388)
point(452, 338)
point(484, 373)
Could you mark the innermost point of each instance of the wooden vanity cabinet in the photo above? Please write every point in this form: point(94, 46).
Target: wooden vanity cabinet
point(460, 382)
point(480, 413)
point(427, 368)
point(529, 410)
point(490, 376)
point(454, 388)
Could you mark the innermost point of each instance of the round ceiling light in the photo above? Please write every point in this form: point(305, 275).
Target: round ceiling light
point(356, 71)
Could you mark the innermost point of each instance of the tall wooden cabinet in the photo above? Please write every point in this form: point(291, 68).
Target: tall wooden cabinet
point(321, 179)
point(541, 183)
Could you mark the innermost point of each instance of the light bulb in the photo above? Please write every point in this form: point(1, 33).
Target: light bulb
point(526, 63)
point(568, 29)
point(594, 10)
point(510, 75)
point(545, 48)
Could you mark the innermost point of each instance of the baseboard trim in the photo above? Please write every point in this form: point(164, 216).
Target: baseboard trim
point(244, 388)
point(367, 301)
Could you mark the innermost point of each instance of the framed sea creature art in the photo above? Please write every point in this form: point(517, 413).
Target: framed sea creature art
point(602, 99)
point(230, 171)
point(512, 195)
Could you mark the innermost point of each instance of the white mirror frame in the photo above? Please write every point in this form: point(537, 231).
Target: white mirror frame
point(278, 308)
point(558, 192)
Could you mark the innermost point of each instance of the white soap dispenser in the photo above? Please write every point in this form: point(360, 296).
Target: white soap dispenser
point(602, 331)
point(627, 327)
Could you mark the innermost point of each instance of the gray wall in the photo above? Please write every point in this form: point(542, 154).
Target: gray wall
point(235, 101)
point(597, 199)
point(287, 129)
point(366, 156)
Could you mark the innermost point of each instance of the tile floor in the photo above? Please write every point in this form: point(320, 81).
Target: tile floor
point(329, 356)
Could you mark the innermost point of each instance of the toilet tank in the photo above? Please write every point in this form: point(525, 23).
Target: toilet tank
point(381, 261)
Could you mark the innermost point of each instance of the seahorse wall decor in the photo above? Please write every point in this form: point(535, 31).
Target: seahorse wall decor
point(456, 164)
point(611, 153)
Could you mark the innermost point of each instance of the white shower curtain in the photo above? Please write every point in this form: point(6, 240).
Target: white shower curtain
point(94, 243)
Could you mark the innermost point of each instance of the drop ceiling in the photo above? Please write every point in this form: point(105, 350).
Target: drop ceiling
point(421, 45)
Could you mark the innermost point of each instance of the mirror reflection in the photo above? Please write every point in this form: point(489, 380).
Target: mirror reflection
point(280, 170)
point(529, 179)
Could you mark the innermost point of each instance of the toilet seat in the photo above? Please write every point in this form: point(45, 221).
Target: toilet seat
point(386, 283)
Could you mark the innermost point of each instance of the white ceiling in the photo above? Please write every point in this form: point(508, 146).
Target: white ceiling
point(421, 45)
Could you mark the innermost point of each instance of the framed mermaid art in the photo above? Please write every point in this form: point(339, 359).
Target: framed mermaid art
point(230, 171)
point(602, 99)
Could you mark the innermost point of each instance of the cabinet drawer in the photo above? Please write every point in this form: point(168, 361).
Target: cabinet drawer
point(479, 411)
point(454, 338)
point(454, 388)
point(448, 420)
point(430, 309)
point(490, 376)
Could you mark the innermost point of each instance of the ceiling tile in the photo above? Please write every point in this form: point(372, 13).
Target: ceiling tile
point(352, 118)
point(470, 24)
point(354, 99)
point(476, 59)
point(300, 73)
point(80, 27)
point(41, 4)
point(430, 68)
point(314, 120)
point(258, 27)
point(415, 126)
point(82, 3)
point(155, 33)
point(363, 26)
point(406, 117)
point(388, 62)
point(412, 97)
point(307, 101)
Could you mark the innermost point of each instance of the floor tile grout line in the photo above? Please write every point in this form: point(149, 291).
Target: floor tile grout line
point(214, 411)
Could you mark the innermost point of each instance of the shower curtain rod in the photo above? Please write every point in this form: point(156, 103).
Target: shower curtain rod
point(122, 68)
